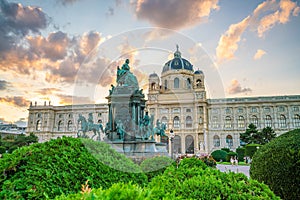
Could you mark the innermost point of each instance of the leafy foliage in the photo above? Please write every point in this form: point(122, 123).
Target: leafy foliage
point(208, 160)
point(11, 142)
point(253, 136)
point(191, 179)
point(241, 153)
point(225, 149)
point(250, 149)
point(45, 170)
point(277, 164)
point(230, 154)
point(219, 155)
point(155, 166)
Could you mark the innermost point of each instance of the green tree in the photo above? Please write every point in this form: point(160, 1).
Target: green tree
point(249, 135)
point(267, 134)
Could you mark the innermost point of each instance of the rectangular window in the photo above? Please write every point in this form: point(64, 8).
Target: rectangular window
point(176, 110)
point(253, 109)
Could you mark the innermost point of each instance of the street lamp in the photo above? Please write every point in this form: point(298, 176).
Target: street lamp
point(172, 135)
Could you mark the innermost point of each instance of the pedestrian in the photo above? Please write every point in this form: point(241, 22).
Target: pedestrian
point(231, 160)
point(236, 161)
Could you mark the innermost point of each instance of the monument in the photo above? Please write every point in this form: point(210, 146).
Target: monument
point(130, 130)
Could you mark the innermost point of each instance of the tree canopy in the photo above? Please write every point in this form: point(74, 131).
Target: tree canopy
point(253, 136)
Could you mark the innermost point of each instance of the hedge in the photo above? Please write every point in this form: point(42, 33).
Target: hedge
point(241, 153)
point(219, 155)
point(250, 149)
point(278, 165)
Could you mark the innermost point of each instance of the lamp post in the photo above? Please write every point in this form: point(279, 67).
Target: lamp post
point(172, 135)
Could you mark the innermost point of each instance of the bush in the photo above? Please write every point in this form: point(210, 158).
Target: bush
point(155, 166)
point(241, 153)
point(251, 149)
point(219, 155)
point(208, 160)
point(45, 170)
point(225, 149)
point(277, 165)
point(2, 149)
point(192, 179)
point(230, 154)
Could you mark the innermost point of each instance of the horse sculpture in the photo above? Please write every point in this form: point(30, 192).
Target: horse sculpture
point(160, 129)
point(85, 127)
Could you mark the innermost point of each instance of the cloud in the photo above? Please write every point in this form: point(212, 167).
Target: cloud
point(280, 16)
point(15, 101)
point(236, 88)
point(66, 2)
point(48, 91)
point(4, 85)
point(259, 53)
point(264, 17)
point(174, 14)
point(17, 21)
point(227, 45)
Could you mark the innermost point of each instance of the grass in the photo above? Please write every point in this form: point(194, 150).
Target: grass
point(228, 163)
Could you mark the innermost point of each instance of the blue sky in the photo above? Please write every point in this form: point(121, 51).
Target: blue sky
point(67, 51)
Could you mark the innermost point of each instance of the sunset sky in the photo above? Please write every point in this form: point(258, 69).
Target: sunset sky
point(67, 51)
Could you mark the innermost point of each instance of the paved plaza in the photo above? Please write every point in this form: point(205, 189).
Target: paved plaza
point(236, 169)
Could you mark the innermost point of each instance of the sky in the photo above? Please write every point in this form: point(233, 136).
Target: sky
point(67, 51)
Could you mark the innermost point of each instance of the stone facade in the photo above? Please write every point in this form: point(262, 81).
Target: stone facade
point(178, 99)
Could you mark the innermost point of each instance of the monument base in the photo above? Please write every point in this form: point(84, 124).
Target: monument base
point(139, 150)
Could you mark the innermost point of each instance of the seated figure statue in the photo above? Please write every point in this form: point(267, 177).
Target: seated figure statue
point(125, 68)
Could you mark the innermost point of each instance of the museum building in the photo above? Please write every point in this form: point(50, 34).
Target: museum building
point(178, 99)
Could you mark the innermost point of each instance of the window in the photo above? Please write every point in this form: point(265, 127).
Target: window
point(153, 86)
point(166, 84)
point(70, 115)
point(282, 121)
point(297, 121)
point(70, 125)
point(60, 126)
point(164, 120)
point(281, 109)
point(267, 109)
point(198, 83)
point(189, 144)
point(216, 141)
point(228, 122)
point(229, 141)
point(200, 120)
point(39, 115)
point(188, 83)
point(215, 122)
point(176, 83)
point(188, 110)
point(268, 121)
point(254, 120)
point(176, 110)
point(253, 109)
point(99, 114)
point(60, 115)
point(177, 144)
point(164, 110)
point(295, 108)
point(240, 110)
point(241, 122)
point(99, 121)
point(215, 111)
point(176, 122)
point(227, 110)
point(38, 125)
point(188, 122)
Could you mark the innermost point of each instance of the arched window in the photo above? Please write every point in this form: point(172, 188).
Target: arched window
point(282, 121)
point(176, 83)
point(241, 122)
point(254, 120)
point(268, 121)
point(176, 122)
point(152, 86)
point(38, 125)
point(188, 122)
point(200, 120)
point(189, 144)
point(99, 121)
point(70, 125)
point(188, 83)
point(164, 120)
point(166, 85)
point(215, 122)
point(177, 144)
point(198, 83)
point(216, 141)
point(228, 122)
point(229, 141)
point(60, 126)
point(297, 121)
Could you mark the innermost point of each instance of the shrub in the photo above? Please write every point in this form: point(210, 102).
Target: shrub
point(45, 170)
point(219, 155)
point(155, 166)
point(277, 165)
point(2, 149)
point(225, 149)
point(230, 154)
point(208, 160)
point(251, 149)
point(241, 153)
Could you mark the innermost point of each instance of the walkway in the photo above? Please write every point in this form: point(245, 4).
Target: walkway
point(237, 169)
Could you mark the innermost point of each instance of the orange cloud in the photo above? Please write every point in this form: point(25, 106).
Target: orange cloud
point(228, 42)
point(15, 101)
point(235, 88)
point(174, 14)
point(259, 53)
